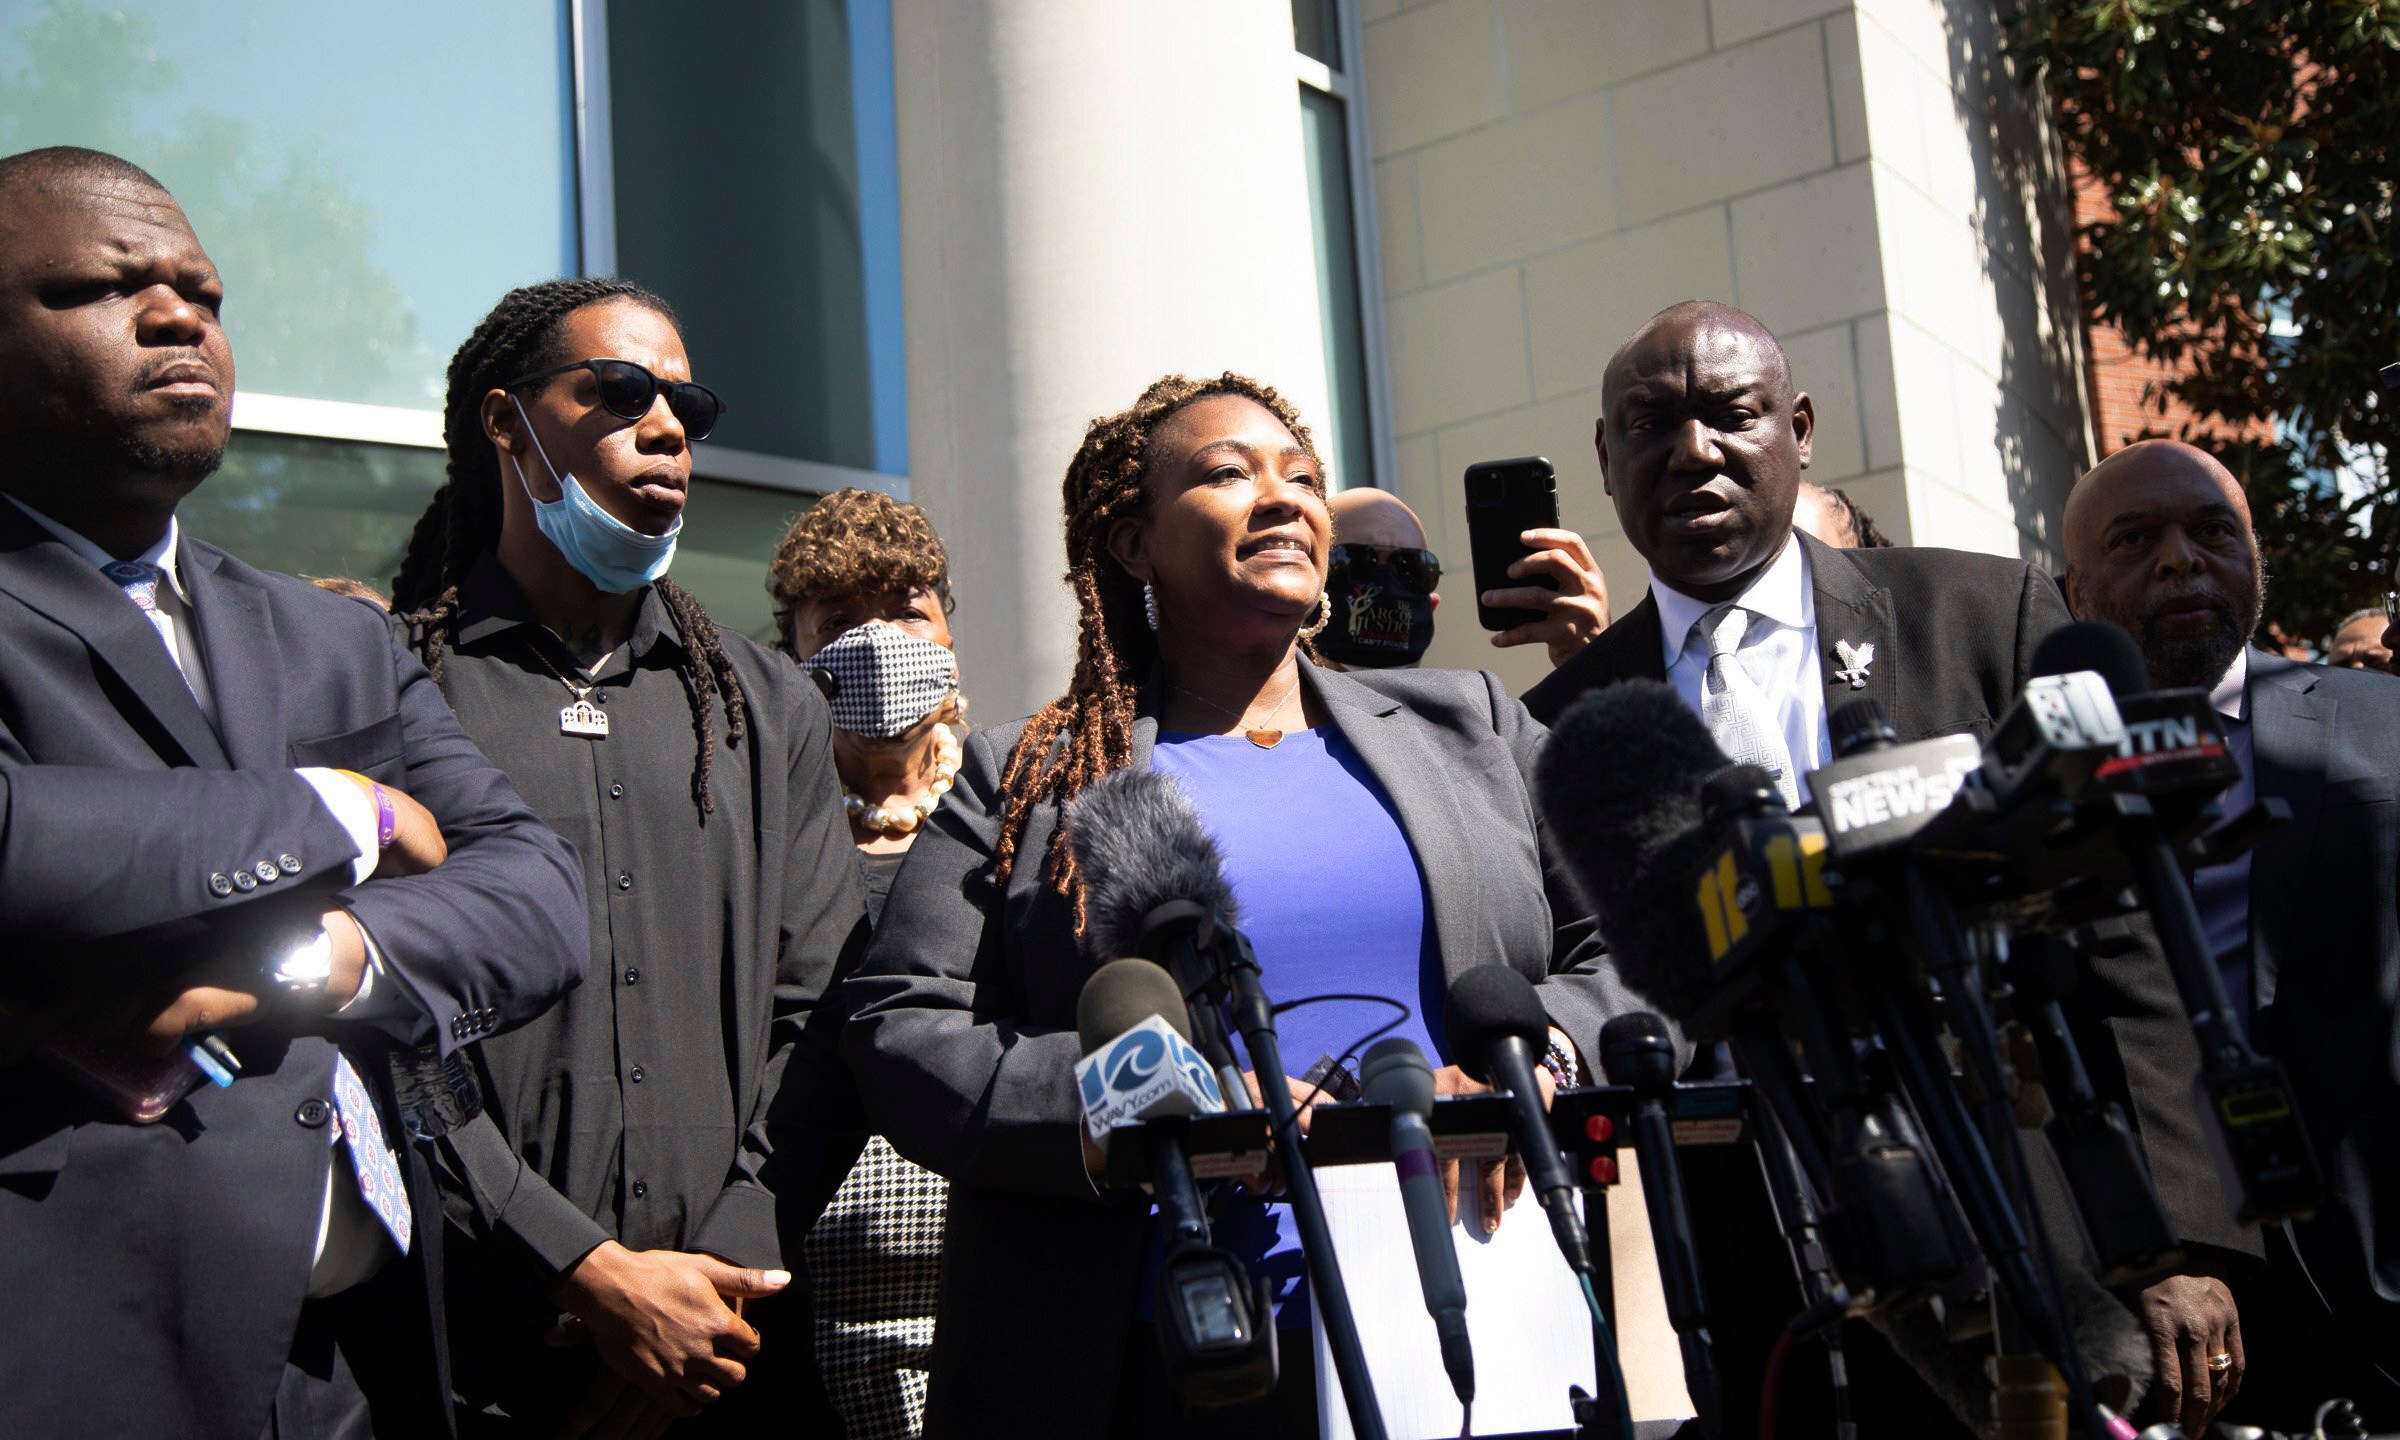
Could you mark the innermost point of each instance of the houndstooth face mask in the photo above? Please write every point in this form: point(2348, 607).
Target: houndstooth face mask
point(883, 680)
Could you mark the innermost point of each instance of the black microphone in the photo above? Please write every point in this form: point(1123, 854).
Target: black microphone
point(1498, 1030)
point(2253, 1127)
point(1637, 1052)
point(1394, 1072)
point(1154, 886)
point(1216, 1326)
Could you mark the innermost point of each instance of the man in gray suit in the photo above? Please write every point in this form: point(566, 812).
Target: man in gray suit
point(2306, 930)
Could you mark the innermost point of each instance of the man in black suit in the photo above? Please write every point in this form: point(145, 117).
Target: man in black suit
point(2306, 930)
point(207, 825)
point(1702, 438)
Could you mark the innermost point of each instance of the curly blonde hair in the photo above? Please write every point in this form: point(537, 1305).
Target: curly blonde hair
point(1088, 732)
point(856, 542)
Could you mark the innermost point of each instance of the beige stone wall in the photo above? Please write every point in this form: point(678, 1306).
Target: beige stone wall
point(1551, 172)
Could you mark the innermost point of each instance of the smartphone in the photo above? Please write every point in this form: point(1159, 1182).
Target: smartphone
point(1506, 498)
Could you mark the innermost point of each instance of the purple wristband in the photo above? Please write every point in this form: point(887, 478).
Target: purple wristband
point(386, 823)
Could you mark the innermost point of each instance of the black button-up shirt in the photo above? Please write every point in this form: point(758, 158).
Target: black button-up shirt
point(635, 1110)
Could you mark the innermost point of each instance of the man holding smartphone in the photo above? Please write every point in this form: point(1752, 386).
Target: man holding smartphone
point(1384, 583)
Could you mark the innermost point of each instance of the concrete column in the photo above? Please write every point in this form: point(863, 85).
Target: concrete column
point(1092, 194)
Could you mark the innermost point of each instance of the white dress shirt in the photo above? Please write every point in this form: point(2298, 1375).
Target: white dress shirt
point(351, 1243)
point(1778, 652)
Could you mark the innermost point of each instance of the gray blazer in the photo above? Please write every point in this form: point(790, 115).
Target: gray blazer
point(962, 1028)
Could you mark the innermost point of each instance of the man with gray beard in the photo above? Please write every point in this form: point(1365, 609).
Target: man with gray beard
point(2306, 929)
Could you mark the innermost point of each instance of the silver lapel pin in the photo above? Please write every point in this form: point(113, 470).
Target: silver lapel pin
point(1855, 660)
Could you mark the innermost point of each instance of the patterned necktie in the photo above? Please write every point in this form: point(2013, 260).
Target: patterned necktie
point(358, 1129)
point(380, 1182)
point(1732, 706)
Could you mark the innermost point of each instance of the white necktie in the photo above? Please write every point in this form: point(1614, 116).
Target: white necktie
point(1732, 706)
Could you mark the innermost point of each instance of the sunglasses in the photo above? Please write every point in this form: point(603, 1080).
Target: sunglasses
point(628, 390)
point(1419, 570)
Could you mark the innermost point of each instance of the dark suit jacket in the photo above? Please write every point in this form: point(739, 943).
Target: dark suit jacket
point(154, 1274)
point(963, 1029)
point(2325, 964)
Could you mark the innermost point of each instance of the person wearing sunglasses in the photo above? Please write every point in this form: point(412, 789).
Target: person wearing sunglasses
point(1385, 584)
point(610, 1203)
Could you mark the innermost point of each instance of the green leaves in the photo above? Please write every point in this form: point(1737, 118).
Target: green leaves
point(2249, 152)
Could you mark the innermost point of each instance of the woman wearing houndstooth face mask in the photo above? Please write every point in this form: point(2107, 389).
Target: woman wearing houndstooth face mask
point(862, 595)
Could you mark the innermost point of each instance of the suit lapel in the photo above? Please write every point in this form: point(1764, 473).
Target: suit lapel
point(55, 581)
point(1391, 743)
point(1855, 611)
point(2289, 723)
point(237, 637)
point(1635, 648)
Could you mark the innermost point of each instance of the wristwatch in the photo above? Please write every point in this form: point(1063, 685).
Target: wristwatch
point(304, 969)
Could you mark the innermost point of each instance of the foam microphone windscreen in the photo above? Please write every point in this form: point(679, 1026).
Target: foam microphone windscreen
point(2094, 645)
point(1488, 1003)
point(1619, 786)
point(1122, 994)
point(1139, 844)
point(1637, 1050)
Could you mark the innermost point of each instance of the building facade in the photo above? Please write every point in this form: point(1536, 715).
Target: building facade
point(917, 244)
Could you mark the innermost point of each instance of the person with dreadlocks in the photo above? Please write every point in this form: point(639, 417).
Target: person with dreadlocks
point(616, 1175)
point(1377, 832)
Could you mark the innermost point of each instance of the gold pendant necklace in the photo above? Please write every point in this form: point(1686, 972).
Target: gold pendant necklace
point(1264, 737)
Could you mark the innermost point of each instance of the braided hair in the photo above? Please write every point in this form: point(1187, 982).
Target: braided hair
point(462, 524)
point(1088, 732)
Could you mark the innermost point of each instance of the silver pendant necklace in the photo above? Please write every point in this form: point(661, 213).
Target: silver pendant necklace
point(579, 717)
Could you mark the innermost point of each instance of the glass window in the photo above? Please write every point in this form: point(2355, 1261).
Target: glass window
point(754, 166)
point(1349, 444)
point(1317, 31)
point(330, 507)
point(368, 178)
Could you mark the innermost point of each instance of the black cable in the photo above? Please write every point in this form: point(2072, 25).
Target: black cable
point(1357, 1045)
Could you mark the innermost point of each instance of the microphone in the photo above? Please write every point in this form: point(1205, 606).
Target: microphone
point(1137, 1064)
point(1154, 886)
point(2254, 1132)
point(1497, 1028)
point(1394, 1072)
point(1637, 1052)
point(1215, 1322)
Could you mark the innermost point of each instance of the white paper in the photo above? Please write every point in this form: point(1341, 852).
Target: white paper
point(1525, 1316)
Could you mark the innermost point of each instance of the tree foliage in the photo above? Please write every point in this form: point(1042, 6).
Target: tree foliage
point(2248, 149)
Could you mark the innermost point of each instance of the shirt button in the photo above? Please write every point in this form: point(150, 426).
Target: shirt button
point(637, 1075)
point(633, 975)
point(616, 791)
point(312, 1113)
point(624, 879)
point(641, 1188)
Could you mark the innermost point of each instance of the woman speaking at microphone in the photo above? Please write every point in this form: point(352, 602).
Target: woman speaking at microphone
point(1377, 834)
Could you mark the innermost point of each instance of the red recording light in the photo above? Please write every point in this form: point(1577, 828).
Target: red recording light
point(1599, 1129)
point(1604, 1170)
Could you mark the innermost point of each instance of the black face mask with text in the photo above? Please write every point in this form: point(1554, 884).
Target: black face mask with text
point(1378, 623)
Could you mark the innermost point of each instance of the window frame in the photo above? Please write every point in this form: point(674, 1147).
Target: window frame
point(596, 236)
point(1344, 86)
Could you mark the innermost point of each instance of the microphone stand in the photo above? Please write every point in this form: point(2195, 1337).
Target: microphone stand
point(1233, 963)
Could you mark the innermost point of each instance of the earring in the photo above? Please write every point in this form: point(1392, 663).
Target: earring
point(1150, 604)
point(1324, 616)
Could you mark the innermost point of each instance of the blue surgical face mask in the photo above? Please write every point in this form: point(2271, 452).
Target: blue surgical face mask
point(603, 549)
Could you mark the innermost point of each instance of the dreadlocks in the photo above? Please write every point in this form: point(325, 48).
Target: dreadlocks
point(462, 524)
point(1088, 732)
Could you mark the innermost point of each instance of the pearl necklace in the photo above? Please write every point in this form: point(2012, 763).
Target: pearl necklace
point(905, 818)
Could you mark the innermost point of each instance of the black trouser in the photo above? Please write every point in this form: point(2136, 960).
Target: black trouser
point(2296, 1355)
point(361, 1365)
